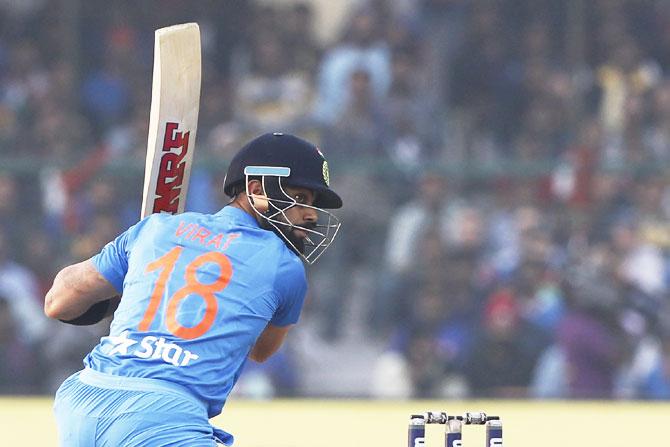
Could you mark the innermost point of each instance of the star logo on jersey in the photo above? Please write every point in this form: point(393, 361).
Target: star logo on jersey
point(154, 348)
point(121, 344)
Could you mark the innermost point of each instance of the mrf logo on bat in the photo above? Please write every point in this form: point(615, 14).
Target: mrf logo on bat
point(173, 121)
point(171, 170)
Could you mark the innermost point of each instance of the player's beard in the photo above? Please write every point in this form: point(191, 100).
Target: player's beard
point(298, 242)
point(287, 232)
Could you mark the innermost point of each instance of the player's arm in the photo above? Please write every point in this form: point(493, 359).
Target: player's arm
point(290, 287)
point(77, 290)
point(269, 342)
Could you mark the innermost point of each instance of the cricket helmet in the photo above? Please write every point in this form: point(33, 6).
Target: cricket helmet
point(281, 160)
point(308, 167)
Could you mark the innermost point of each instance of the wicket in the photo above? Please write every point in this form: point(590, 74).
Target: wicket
point(453, 435)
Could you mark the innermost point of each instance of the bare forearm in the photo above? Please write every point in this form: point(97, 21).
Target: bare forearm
point(75, 289)
point(268, 343)
point(260, 355)
point(63, 300)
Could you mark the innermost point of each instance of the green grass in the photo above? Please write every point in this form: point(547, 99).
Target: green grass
point(317, 423)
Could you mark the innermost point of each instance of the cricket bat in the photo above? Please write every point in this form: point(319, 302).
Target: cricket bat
point(173, 121)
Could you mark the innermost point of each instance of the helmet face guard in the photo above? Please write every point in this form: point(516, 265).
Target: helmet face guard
point(272, 208)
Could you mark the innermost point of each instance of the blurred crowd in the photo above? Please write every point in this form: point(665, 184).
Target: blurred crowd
point(504, 166)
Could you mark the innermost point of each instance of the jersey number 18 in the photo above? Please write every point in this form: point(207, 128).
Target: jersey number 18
point(193, 286)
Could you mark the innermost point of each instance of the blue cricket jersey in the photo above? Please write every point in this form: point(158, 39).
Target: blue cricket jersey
point(198, 290)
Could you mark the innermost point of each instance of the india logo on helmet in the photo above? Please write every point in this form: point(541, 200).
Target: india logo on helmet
point(326, 173)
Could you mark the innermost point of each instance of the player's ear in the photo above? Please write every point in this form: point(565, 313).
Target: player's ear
point(257, 196)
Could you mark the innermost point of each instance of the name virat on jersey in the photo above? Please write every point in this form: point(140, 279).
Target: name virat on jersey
point(197, 233)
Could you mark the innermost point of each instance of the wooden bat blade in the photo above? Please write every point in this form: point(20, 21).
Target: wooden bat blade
point(173, 121)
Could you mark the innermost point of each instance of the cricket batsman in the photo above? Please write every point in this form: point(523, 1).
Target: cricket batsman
point(199, 294)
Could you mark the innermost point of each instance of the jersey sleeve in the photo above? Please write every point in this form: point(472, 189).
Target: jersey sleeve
point(290, 287)
point(112, 261)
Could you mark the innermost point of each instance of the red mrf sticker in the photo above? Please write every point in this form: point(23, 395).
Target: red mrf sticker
point(171, 171)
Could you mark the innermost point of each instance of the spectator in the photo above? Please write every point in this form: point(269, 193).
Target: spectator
point(20, 290)
point(359, 129)
point(656, 384)
point(417, 220)
point(414, 140)
point(300, 40)
point(12, 217)
point(590, 335)
point(106, 93)
point(540, 299)
point(623, 76)
point(504, 356)
point(18, 374)
point(272, 95)
point(657, 129)
point(362, 50)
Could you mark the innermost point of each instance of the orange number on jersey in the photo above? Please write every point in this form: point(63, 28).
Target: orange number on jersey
point(193, 286)
point(167, 263)
point(206, 291)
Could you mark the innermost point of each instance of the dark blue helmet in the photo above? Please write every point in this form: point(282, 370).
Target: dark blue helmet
point(307, 165)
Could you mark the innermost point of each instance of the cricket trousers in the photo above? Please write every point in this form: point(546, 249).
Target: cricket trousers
point(94, 409)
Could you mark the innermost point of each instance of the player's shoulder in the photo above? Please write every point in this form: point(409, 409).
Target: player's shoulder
point(290, 278)
point(272, 255)
point(277, 248)
point(289, 263)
